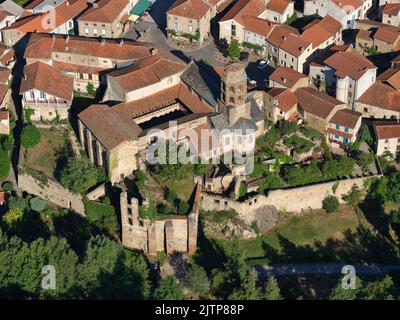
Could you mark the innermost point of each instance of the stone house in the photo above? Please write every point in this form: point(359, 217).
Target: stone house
point(106, 18)
point(346, 75)
point(59, 20)
point(344, 11)
point(387, 39)
point(280, 104)
point(317, 108)
point(47, 91)
point(391, 14)
point(382, 99)
point(284, 77)
point(343, 128)
point(233, 24)
point(84, 59)
point(191, 19)
point(279, 11)
point(294, 52)
point(387, 137)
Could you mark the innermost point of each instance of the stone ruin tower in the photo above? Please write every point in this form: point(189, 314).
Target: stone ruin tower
point(165, 234)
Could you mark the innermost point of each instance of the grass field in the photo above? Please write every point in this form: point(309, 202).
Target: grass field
point(299, 231)
point(183, 188)
point(43, 157)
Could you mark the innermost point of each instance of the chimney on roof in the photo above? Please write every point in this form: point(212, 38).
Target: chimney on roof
point(284, 37)
point(95, 5)
point(67, 38)
point(283, 79)
point(67, 2)
point(153, 51)
point(301, 49)
point(102, 42)
point(121, 42)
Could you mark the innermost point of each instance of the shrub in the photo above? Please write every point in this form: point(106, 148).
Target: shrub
point(30, 136)
point(183, 207)
point(13, 217)
point(288, 128)
point(330, 204)
point(102, 215)
point(7, 186)
point(4, 165)
point(37, 204)
point(300, 145)
point(234, 49)
point(90, 89)
point(80, 174)
point(273, 135)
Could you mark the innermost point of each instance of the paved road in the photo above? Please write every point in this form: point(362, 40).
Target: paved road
point(322, 268)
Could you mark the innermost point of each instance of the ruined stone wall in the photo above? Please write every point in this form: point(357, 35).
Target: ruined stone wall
point(168, 234)
point(288, 200)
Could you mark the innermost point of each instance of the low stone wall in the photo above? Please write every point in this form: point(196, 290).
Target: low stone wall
point(265, 209)
point(53, 192)
point(97, 193)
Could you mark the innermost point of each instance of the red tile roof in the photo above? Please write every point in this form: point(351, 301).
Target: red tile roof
point(387, 131)
point(346, 118)
point(105, 11)
point(286, 76)
point(6, 54)
point(339, 133)
point(258, 25)
point(392, 9)
point(5, 74)
point(348, 4)
point(349, 64)
point(4, 195)
point(280, 33)
point(3, 91)
point(286, 98)
point(294, 44)
point(242, 8)
point(193, 9)
point(147, 71)
point(316, 102)
point(387, 34)
point(381, 95)
point(322, 31)
point(46, 78)
point(278, 5)
point(47, 22)
point(41, 46)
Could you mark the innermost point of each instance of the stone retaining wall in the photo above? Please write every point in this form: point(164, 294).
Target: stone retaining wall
point(51, 191)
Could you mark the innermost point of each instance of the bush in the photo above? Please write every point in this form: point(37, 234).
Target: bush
point(234, 49)
point(37, 204)
point(102, 215)
point(7, 186)
point(30, 136)
point(4, 165)
point(330, 204)
point(273, 135)
point(90, 89)
point(80, 174)
point(288, 128)
point(183, 207)
point(300, 145)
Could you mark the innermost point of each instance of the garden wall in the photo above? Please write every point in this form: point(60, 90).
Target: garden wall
point(51, 191)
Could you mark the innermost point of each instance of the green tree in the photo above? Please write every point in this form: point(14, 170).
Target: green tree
point(394, 186)
point(169, 289)
point(235, 267)
point(354, 198)
point(90, 89)
point(248, 290)
point(13, 217)
point(365, 160)
point(365, 135)
point(234, 49)
point(378, 190)
point(37, 204)
point(197, 280)
point(183, 208)
point(80, 174)
point(30, 136)
point(272, 291)
point(330, 204)
point(339, 293)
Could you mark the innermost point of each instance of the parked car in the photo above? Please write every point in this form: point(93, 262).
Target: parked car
point(251, 85)
point(262, 64)
point(244, 56)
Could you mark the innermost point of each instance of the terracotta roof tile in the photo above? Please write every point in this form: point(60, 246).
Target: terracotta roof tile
point(280, 33)
point(258, 25)
point(294, 45)
point(146, 71)
point(387, 131)
point(3, 90)
point(104, 11)
point(41, 46)
point(348, 4)
point(381, 95)
point(286, 98)
point(387, 34)
point(278, 5)
point(47, 22)
point(316, 102)
point(193, 9)
point(339, 133)
point(322, 31)
point(346, 118)
point(242, 8)
point(286, 76)
point(392, 9)
point(349, 64)
point(46, 78)
point(5, 74)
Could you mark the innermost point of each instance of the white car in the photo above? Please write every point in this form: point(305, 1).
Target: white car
point(262, 64)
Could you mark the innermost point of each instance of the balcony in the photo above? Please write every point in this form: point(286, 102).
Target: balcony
point(52, 103)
